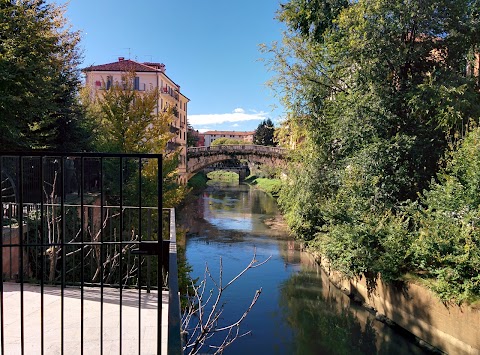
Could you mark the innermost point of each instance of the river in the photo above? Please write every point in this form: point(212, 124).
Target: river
point(299, 311)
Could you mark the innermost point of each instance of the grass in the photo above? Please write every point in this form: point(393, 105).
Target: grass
point(270, 186)
point(223, 176)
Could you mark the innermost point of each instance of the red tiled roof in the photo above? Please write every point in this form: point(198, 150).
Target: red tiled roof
point(123, 65)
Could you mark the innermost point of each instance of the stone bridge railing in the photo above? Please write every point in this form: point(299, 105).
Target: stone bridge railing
point(237, 148)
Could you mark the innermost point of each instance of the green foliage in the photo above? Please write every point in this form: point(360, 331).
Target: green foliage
point(310, 19)
point(198, 181)
point(226, 141)
point(265, 133)
point(221, 175)
point(127, 122)
point(270, 186)
point(376, 92)
point(39, 79)
point(447, 247)
point(192, 136)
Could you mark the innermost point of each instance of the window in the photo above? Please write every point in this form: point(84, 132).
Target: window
point(136, 83)
point(109, 81)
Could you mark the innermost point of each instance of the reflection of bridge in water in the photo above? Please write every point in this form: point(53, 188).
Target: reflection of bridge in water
point(199, 158)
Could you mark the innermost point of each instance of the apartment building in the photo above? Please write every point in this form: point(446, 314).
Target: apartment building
point(210, 136)
point(148, 76)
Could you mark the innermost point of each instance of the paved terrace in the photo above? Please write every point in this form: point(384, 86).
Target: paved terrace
point(91, 320)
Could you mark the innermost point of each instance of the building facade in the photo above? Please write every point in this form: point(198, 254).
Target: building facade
point(148, 76)
point(211, 136)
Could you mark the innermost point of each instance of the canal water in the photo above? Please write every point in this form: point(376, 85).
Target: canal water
point(299, 311)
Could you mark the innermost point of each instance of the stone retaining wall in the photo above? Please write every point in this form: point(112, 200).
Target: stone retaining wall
point(450, 328)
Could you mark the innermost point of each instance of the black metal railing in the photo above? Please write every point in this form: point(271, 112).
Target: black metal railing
point(87, 222)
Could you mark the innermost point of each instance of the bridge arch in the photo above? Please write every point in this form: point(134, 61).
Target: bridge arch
point(202, 157)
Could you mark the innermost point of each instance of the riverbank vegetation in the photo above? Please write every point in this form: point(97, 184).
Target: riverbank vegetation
point(222, 175)
point(270, 186)
point(198, 181)
point(383, 105)
point(228, 141)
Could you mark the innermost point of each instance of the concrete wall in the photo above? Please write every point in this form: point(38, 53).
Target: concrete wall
point(450, 328)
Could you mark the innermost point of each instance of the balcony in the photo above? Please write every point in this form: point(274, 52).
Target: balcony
point(170, 92)
point(172, 145)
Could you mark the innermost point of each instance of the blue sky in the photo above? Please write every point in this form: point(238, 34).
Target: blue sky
point(210, 48)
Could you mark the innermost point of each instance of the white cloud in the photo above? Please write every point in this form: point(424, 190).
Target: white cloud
point(238, 115)
point(235, 125)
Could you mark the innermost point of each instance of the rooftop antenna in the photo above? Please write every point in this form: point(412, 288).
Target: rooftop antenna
point(129, 52)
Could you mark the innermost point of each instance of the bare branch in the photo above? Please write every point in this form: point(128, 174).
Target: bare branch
point(205, 317)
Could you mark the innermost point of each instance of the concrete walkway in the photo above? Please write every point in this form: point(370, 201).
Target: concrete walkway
point(52, 311)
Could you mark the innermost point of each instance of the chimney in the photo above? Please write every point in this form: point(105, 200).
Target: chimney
point(162, 68)
point(121, 59)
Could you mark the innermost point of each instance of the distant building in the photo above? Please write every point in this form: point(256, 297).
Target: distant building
point(210, 136)
point(148, 76)
point(201, 140)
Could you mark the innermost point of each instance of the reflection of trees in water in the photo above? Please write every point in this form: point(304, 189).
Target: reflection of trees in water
point(323, 325)
point(241, 200)
point(261, 203)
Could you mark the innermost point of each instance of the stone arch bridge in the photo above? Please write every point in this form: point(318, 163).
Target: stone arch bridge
point(202, 157)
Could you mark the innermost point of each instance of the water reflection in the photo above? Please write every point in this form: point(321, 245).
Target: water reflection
point(299, 311)
point(323, 325)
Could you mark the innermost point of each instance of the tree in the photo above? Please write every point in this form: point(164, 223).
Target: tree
point(127, 122)
point(192, 136)
point(127, 119)
point(264, 134)
point(39, 78)
point(375, 93)
point(225, 140)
